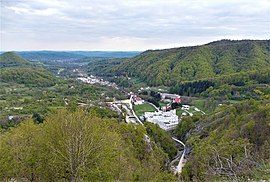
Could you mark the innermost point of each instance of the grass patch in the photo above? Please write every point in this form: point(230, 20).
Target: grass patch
point(198, 103)
point(179, 111)
point(159, 89)
point(163, 104)
point(55, 107)
point(141, 109)
point(262, 173)
point(234, 101)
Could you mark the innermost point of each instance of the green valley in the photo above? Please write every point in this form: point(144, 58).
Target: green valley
point(85, 119)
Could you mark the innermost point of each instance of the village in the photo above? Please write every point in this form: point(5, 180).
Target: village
point(166, 116)
point(94, 79)
point(136, 110)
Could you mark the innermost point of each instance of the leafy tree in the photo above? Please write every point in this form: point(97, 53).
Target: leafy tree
point(229, 144)
point(75, 146)
point(162, 138)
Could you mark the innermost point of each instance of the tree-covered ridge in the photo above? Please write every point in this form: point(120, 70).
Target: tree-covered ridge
point(79, 146)
point(232, 143)
point(233, 86)
point(102, 66)
point(28, 76)
point(171, 66)
point(11, 59)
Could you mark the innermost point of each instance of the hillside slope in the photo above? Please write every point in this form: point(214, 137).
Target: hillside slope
point(28, 76)
point(233, 143)
point(14, 68)
point(11, 59)
point(171, 66)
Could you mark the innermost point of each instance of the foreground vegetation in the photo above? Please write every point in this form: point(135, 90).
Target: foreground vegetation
point(75, 146)
point(232, 143)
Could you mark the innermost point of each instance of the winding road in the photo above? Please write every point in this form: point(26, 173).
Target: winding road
point(181, 162)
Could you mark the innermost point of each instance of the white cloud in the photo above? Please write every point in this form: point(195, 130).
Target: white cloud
point(33, 12)
point(129, 24)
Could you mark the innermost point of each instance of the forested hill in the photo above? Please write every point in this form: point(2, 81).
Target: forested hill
point(28, 76)
point(11, 59)
point(232, 143)
point(171, 66)
point(13, 68)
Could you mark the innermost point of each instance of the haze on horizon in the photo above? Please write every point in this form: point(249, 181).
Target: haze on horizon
point(128, 25)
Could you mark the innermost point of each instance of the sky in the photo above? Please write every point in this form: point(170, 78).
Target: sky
point(128, 25)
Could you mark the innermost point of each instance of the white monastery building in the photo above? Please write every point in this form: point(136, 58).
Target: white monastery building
point(166, 120)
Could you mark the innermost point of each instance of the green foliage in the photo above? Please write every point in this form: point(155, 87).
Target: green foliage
point(235, 86)
point(102, 66)
point(229, 144)
point(162, 138)
point(102, 112)
point(186, 124)
point(151, 96)
point(227, 70)
point(28, 76)
point(37, 118)
point(172, 66)
point(11, 59)
point(21, 100)
point(76, 146)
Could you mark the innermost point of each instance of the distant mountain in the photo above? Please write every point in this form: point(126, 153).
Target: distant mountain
point(11, 59)
point(50, 55)
point(171, 66)
point(108, 54)
point(73, 55)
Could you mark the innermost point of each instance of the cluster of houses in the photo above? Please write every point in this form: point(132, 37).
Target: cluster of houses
point(94, 80)
point(171, 99)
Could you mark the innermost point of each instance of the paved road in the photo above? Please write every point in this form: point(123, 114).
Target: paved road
point(153, 105)
point(181, 162)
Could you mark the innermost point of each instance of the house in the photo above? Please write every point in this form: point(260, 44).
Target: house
point(137, 100)
point(185, 107)
point(168, 96)
point(166, 120)
point(177, 100)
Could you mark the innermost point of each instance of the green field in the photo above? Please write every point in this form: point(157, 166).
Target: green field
point(163, 103)
point(198, 103)
point(141, 109)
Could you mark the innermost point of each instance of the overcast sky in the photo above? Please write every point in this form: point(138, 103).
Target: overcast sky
point(129, 24)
